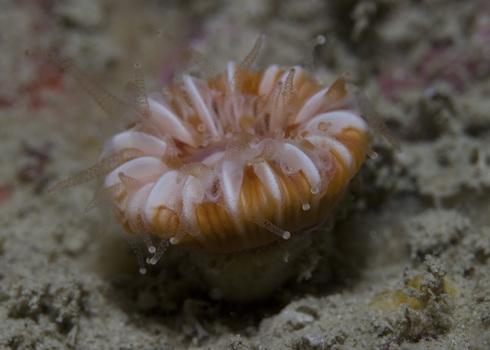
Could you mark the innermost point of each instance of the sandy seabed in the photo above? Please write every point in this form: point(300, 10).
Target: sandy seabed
point(408, 263)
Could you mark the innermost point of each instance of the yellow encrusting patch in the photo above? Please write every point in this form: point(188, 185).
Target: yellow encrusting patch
point(394, 299)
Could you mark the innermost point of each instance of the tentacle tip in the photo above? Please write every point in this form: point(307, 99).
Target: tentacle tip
point(372, 154)
point(88, 208)
point(286, 235)
point(320, 39)
point(395, 144)
point(142, 271)
point(58, 186)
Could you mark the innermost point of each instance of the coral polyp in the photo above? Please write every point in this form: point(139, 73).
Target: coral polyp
point(237, 162)
point(233, 163)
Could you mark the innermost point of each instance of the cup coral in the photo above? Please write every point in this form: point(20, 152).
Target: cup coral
point(231, 164)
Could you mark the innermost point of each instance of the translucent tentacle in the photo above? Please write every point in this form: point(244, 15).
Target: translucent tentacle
point(141, 98)
point(113, 106)
point(101, 168)
point(375, 121)
point(114, 193)
point(245, 65)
